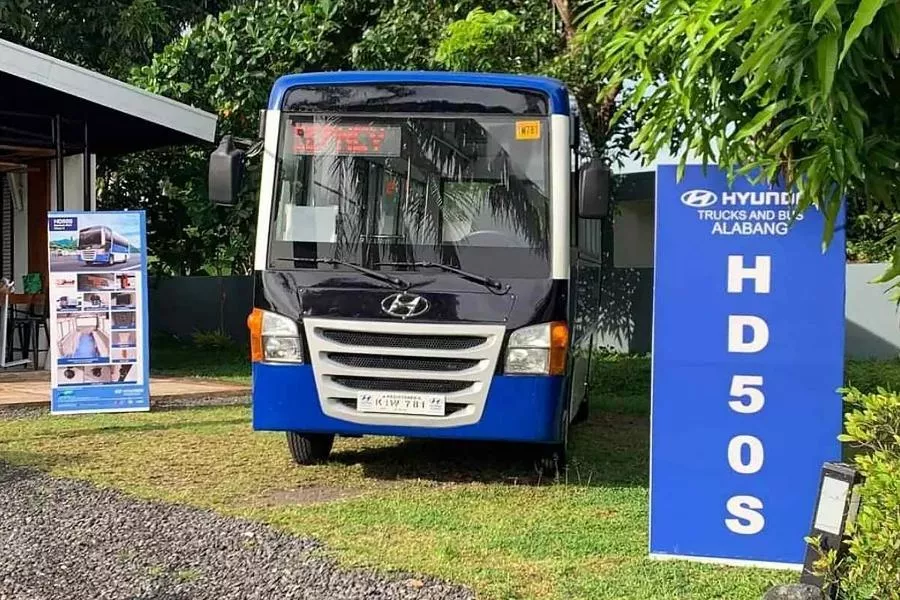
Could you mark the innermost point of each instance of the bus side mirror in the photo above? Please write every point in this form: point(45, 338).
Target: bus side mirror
point(593, 190)
point(226, 169)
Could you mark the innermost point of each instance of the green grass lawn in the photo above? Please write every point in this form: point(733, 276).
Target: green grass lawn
point(473, 513)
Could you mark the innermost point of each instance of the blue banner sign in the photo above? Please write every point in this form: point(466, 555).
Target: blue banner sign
point(748, 353)
point(99, 345)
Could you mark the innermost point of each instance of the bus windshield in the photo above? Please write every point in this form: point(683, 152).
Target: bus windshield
point(92, 238)
point(395, 189)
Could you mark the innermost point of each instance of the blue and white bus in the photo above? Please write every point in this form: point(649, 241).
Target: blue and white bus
point(101, 245)
point(427, 259)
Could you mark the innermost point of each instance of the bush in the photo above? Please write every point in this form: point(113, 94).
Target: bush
point(872, 568)
point(867, 376)
point(212, 341)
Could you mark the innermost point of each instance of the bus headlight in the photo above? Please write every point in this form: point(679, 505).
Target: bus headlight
point(527, 360)
point(282, 349)
point(538, 350)
point(274, 337)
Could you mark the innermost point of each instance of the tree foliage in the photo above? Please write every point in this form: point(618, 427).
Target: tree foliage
point(868, 231)
point(407, 33)
point(532, 37)
point(225, 65)
point(499, 41)
point(109, 36)
point(403, 35)
point(802, 90)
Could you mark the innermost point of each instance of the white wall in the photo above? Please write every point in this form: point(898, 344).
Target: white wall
point(73, 192)
point(20, 231)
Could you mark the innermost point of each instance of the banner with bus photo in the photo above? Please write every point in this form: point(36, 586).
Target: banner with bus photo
point(98, 312)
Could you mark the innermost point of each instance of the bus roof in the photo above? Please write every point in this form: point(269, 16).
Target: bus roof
point(554, 89)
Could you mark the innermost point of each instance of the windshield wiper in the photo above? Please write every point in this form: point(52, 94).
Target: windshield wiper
point(395, 281)
point(492, 284)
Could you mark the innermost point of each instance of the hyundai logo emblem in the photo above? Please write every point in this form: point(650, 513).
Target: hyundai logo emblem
point(405, 305)
point(698, 198)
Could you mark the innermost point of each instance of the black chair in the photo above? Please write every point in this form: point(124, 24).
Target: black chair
point(27, 326)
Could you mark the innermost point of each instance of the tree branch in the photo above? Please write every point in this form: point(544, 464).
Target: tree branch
point(565, 13)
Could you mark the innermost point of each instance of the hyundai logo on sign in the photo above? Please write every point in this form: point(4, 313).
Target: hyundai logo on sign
point(698, 198)
point(404, 305)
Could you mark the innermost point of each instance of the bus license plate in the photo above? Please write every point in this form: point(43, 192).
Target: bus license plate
point(400, 404)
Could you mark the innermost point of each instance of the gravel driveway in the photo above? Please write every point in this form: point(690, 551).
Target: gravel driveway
point(69, 540)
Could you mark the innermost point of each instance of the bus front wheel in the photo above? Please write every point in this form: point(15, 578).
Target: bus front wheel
point(309, 448)
point(552, 459)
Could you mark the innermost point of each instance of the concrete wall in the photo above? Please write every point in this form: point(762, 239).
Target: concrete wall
point(872, 319)
point(184, 305)
point(626, 309)
point(633, 234)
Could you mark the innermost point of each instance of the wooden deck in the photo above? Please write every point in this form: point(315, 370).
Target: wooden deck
point(32, 388)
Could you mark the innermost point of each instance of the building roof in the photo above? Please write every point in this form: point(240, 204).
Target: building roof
point(120, 117)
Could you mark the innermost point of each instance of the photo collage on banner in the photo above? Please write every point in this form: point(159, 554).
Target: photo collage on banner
point(98, 312)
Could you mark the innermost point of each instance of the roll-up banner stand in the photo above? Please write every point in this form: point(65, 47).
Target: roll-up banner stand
point(99, 348)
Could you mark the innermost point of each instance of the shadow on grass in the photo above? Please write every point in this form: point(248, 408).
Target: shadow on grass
point(445, 461)
point(608, 449)
point(135, 428)
point(19, 465)
point(12, 472)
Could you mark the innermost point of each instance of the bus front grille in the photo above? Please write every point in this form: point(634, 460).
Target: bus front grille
point(352, 357)
point(422, 386)
point(413, 363)
point(89, 255)
point(393, 340)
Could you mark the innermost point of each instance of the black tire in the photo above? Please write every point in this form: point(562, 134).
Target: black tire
point(551, 460)
point(584, 411)
point(309, 448)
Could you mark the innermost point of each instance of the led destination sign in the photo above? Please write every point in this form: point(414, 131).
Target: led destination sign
point(347, 140)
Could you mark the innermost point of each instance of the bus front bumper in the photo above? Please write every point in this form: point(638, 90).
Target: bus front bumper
point(518, 409)
point(95, 258)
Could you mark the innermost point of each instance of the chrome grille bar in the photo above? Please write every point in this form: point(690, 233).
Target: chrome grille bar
point(456, 360)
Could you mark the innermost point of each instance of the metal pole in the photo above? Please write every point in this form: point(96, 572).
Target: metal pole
point(57, 132)
point(86, 176)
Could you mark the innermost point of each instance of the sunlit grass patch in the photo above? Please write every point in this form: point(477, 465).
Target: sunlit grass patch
point(472, 513)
